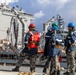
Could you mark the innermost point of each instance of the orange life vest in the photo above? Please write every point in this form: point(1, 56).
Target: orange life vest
point(33, 40)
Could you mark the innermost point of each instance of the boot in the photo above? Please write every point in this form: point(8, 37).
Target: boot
point(54, 73)
point(66, 73)
point(16, 69)
point(58, 72)
point(44, 70)
point(32, 72)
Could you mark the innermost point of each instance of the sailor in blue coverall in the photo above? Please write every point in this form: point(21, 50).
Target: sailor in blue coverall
point(46, 48)
point(70, 49)
point(55, 52)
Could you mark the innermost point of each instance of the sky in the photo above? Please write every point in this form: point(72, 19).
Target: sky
point(43, 10)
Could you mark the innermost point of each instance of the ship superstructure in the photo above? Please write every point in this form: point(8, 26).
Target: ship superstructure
point(10, 17)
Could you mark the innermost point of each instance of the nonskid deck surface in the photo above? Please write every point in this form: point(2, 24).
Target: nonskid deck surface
point(7, 70)
point(22, 73)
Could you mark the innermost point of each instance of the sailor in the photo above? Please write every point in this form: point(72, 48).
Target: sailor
point(32, 39)
point(47, 45)
point(55, 51)
point(70, 49)
point(47, 38)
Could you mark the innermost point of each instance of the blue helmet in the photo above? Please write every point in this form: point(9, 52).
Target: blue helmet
point(71, 24)
point(54, 28)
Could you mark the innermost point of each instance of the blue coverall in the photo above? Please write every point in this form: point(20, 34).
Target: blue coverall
point(70, 51)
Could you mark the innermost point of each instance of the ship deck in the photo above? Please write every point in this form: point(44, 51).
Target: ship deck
point(6, 70)
point(8, 60)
